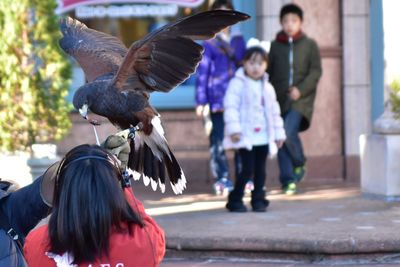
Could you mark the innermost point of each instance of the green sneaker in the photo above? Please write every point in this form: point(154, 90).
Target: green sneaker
point(290, 189)
point(299, 173)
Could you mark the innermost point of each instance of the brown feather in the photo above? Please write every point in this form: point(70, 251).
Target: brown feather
point(146, 57)
point(145, 116)
point(98, 53)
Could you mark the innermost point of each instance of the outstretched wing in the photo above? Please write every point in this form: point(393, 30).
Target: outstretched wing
point(166, 57)
point(97, 53)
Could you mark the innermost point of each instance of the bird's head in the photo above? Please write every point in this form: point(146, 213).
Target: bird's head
point(81, 101)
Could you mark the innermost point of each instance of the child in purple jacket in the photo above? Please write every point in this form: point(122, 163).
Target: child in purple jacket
point(222, 56)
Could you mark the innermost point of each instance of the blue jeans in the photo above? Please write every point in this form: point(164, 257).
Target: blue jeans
point(291, 155)
point(218, 163)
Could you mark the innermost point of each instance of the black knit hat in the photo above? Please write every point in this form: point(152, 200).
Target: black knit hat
point(291, 8)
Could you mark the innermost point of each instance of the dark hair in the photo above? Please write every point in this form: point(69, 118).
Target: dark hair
point(291, 8)
point(255, 50)
point(88, 203)
point(220, 3)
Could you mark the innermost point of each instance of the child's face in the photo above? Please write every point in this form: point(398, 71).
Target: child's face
point(291, 24)
point(255, 67)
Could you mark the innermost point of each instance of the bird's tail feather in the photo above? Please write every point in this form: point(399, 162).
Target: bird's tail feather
point(152, 159)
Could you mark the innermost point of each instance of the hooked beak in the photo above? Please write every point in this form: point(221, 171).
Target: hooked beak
point(84, 111)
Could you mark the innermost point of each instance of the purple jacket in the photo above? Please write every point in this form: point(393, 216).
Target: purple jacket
point(219, 63)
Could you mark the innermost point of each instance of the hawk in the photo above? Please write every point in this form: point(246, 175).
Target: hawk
point(120, 80)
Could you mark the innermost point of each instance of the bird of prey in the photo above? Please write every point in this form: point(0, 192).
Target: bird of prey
point(119, 81)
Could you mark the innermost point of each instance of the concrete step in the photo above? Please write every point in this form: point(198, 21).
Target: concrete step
point(325, 219)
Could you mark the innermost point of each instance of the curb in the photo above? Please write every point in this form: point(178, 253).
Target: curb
point(295, 246)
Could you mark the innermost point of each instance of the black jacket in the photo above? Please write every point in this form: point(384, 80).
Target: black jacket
point(22, 210)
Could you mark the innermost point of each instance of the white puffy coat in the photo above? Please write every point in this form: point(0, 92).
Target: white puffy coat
point(238, 105)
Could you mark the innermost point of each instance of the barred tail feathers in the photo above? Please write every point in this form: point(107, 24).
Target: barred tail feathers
point(152, 159)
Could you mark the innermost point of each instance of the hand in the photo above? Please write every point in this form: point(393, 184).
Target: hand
point(119, 147)
point(294, 93)
point(199, 110)
point(279, 143)
point(236, 137)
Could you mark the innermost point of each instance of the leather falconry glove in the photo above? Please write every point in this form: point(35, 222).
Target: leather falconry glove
point(119, 147)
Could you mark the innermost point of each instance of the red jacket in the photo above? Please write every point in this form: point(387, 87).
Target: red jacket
point(125, 250)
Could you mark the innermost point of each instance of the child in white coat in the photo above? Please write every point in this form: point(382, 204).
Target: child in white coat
point(253, 126)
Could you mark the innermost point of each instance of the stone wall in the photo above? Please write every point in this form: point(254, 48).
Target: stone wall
point(356, 79)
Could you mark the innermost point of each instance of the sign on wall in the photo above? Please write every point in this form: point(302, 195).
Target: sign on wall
point(125, 11)
point(67, 5)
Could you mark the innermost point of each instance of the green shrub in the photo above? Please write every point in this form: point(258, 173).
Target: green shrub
point(395, 97)
point(34, 75)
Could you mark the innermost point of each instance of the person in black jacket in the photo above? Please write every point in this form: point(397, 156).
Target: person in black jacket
point(20, 212)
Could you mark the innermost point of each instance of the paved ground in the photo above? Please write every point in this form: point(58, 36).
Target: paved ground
point(258, 263)
point(327, 217)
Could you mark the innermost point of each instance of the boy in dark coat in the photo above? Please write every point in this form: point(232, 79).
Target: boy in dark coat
point(294, 69)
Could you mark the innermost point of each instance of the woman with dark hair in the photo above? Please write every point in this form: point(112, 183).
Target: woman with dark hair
point(95, 221)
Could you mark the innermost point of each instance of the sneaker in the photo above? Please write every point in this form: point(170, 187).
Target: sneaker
point(228, 185)
point(290, 189)
point(223, 186)
point(299, 173)
point(236, 206)
point(218, 188)
point(249, 187)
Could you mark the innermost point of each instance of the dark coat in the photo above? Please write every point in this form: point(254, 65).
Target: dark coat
point(219, 63)
point(23, 209)
point(306, 73)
